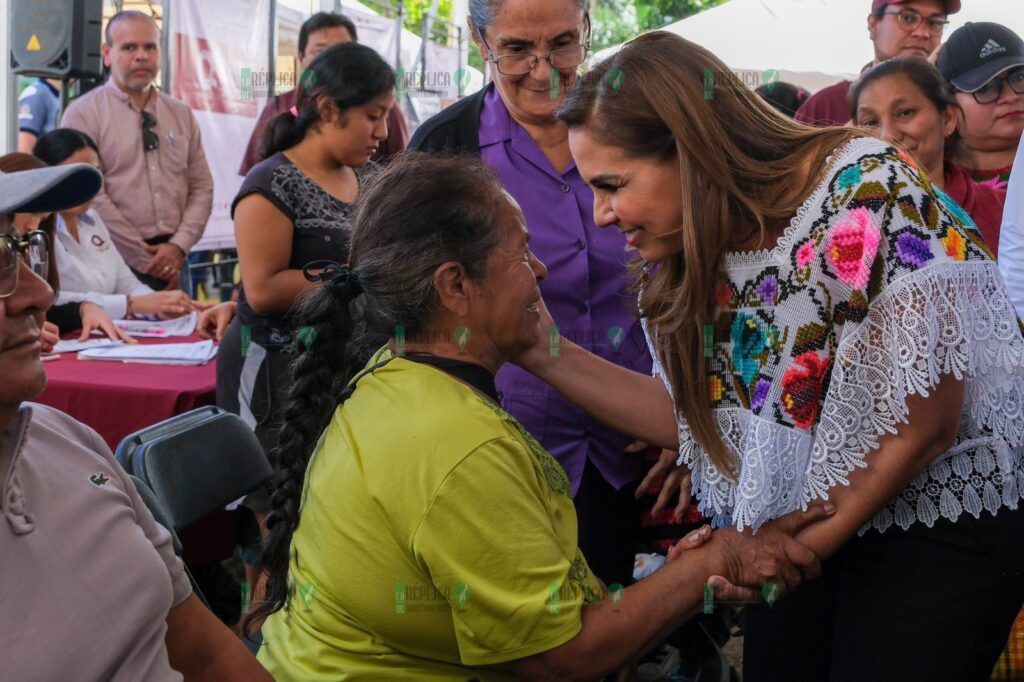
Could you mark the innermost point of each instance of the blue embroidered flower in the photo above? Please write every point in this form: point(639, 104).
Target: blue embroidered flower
point(748, 346)
point(850, 177)
point(958, 212)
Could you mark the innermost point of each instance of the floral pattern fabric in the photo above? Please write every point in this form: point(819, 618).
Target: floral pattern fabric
point(878, 288)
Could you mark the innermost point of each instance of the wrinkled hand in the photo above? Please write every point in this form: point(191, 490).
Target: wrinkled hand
point(93, 317)
point(213, 322)
point(49, 337)
point(167, 260)
point(771, 556)
point(674, 478)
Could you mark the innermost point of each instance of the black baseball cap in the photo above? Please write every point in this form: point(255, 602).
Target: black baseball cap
point(977, 52)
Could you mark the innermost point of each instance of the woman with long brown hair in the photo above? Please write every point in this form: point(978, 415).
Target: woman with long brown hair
point(824, 327)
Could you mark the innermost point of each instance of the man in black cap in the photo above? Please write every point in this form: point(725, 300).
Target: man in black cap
point(984, 63)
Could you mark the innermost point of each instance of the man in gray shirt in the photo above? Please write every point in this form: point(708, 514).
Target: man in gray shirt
point(90, 588)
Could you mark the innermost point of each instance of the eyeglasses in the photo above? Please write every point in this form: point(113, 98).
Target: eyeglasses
point(909, 20)
point(150, 140)
point(33, 249)
point(990, 92)
point(563, 58)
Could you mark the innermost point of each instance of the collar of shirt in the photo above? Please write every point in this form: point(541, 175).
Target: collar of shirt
point(12, 497)
point(126, 98)
point(497, 127)
point(44, 82)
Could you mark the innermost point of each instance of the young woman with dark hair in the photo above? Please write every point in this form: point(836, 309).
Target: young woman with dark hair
point(417, 530)
point(908, 102)
point(294, 208)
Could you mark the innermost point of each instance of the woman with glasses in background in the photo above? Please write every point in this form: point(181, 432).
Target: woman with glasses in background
point(535, 49)
point(984, 63)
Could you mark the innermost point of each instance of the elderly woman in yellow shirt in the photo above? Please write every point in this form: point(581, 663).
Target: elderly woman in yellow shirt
point(418, 531)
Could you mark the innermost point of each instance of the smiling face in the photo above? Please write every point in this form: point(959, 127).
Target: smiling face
point(134, 55)
point(504, 307)
point(900, 112)
point(892, 40)
point(992, 127)
point(21, 321)
point(354, 136)
point(533, 27)
point(640, 197)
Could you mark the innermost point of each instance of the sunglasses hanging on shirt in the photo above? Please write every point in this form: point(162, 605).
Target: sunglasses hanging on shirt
point(150, 140)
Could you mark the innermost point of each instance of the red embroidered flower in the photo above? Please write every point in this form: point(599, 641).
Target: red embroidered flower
point(723, 293)
point(801, 388)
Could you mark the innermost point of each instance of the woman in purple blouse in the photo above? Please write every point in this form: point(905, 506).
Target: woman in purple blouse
point(534, 48)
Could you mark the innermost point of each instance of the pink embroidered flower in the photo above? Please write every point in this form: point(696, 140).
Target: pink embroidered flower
point(805, 254)
point(852, 248)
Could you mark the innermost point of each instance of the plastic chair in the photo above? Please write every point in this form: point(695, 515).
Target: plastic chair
point(196, 462)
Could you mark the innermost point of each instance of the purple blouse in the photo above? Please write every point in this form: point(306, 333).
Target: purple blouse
point(585, 291)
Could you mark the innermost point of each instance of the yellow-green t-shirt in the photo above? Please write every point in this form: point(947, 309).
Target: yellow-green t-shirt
point(435, 534)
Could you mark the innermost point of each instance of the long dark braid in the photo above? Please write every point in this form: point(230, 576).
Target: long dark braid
point(415, 215)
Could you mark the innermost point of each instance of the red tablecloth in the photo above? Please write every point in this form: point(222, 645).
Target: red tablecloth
point(118, 398)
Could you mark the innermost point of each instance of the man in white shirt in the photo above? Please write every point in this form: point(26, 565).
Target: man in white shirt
point(1011, 235)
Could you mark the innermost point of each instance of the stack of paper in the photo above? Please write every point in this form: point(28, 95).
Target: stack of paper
point(74, 345)
point(179, 326)
point(163, 354)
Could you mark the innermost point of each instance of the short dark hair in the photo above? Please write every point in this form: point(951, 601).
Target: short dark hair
point(58, 145)
point(322, 20)
point(127, 14)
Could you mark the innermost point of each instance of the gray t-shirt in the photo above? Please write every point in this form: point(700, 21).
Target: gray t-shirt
point(87, 577)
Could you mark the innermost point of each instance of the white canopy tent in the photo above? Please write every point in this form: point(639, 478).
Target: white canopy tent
point(811, 43)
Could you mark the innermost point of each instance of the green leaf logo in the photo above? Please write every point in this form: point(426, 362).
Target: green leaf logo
point(307, 337)
point(308, 80)
point(770, 592)
point(462, 77)
point(616, 335)
point(615, 79)
point(399, 82)
point(462, 335)
point(308, 593)
point(769, 77)
point(462, 593)
point(615, 589)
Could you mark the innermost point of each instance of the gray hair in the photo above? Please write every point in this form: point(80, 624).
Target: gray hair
point(483, 12)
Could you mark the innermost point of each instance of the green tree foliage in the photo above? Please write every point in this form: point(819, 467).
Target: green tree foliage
point(616, 21)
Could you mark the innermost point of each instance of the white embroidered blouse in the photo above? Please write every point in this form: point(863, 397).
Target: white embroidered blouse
point(880, 285)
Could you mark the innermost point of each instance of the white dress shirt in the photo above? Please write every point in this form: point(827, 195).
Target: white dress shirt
point(92, 269)
point(1011, 235)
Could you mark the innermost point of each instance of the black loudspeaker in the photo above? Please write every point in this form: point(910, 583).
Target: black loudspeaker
point(57, 38)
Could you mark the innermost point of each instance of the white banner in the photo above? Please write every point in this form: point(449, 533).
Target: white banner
point(220, 69)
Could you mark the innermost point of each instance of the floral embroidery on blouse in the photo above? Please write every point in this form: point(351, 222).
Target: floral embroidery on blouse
point(877, 289)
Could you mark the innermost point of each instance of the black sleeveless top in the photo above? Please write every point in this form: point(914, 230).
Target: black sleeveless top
point(321, 223)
